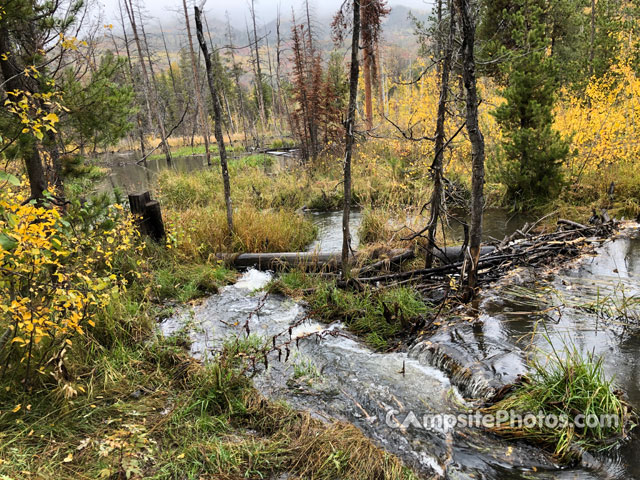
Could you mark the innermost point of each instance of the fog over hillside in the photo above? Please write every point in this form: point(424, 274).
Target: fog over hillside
point(238, 10)
point(397, 30)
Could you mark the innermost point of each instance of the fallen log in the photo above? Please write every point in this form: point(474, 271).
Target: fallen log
point(529, 250)
point(272, 261)
point(311, 260)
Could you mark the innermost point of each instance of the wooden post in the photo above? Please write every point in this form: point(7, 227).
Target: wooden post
point(148, 214)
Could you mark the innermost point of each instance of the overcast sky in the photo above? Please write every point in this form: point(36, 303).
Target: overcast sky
point(165, 10)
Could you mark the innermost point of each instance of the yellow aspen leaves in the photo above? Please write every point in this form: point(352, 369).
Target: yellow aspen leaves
point(56, 273)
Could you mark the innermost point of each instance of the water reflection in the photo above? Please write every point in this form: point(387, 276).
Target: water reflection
point(496, 224)
point(130, 177)
point(329, 225)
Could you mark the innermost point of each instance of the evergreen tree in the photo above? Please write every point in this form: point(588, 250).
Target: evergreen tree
point(99, 106)
point(530, 156)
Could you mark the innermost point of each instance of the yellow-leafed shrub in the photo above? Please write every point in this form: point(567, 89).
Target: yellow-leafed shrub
point(56, 271)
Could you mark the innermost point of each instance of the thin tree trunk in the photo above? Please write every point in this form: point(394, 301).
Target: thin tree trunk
point(283, 103)
point(366, 77)
point(378, 79)
point(133, 84)
point(56, 162)
point(166, 52)
point(217, 118)
point(154, 92)
point(152, 107)
point(231, 129)
point(258, 70)
point(201, 110)
point(354, 72)
point(592, 40)
point(477, 148)
point(273, 88)
point(438, 161)
point(236, 75)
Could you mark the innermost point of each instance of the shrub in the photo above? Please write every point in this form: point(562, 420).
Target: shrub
point(57, 271)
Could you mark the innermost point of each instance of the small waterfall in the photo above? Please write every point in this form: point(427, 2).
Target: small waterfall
point(470, 379)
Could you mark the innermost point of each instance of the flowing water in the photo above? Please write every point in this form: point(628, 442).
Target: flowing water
point(592, 305)
point(333, 375)
point(329, 225)
point(330, 373)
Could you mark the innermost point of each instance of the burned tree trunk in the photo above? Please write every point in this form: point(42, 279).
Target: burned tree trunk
point(149, 216)
point(217, 118)
point(349, 137)
point(470, 271)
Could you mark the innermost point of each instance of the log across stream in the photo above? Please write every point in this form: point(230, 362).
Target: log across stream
point(330, 261)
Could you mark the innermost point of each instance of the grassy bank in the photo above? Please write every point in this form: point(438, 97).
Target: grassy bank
point(268, 199)
point(110, 399)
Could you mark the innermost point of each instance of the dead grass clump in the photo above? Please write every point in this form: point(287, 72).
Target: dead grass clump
point(202, 231)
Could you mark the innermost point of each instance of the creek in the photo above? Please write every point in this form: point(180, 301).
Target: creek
point(334, 375)
point(591, 304)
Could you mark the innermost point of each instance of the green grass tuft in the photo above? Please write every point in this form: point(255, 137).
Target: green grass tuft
point(570, 385)
point(377, 315)
point(189, 281)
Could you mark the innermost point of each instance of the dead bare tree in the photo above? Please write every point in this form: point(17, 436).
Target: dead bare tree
point(470, 269)
point(437, 166)
point(166, 53)
point(202, 117)
point(371, 15)
point(152, 106)
point(217, 118)
point(282, 100)
point(134, 82)
point(354, 72)
point(236, 74)
point(257, 68)
point(221, 86)
point(273, 87)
